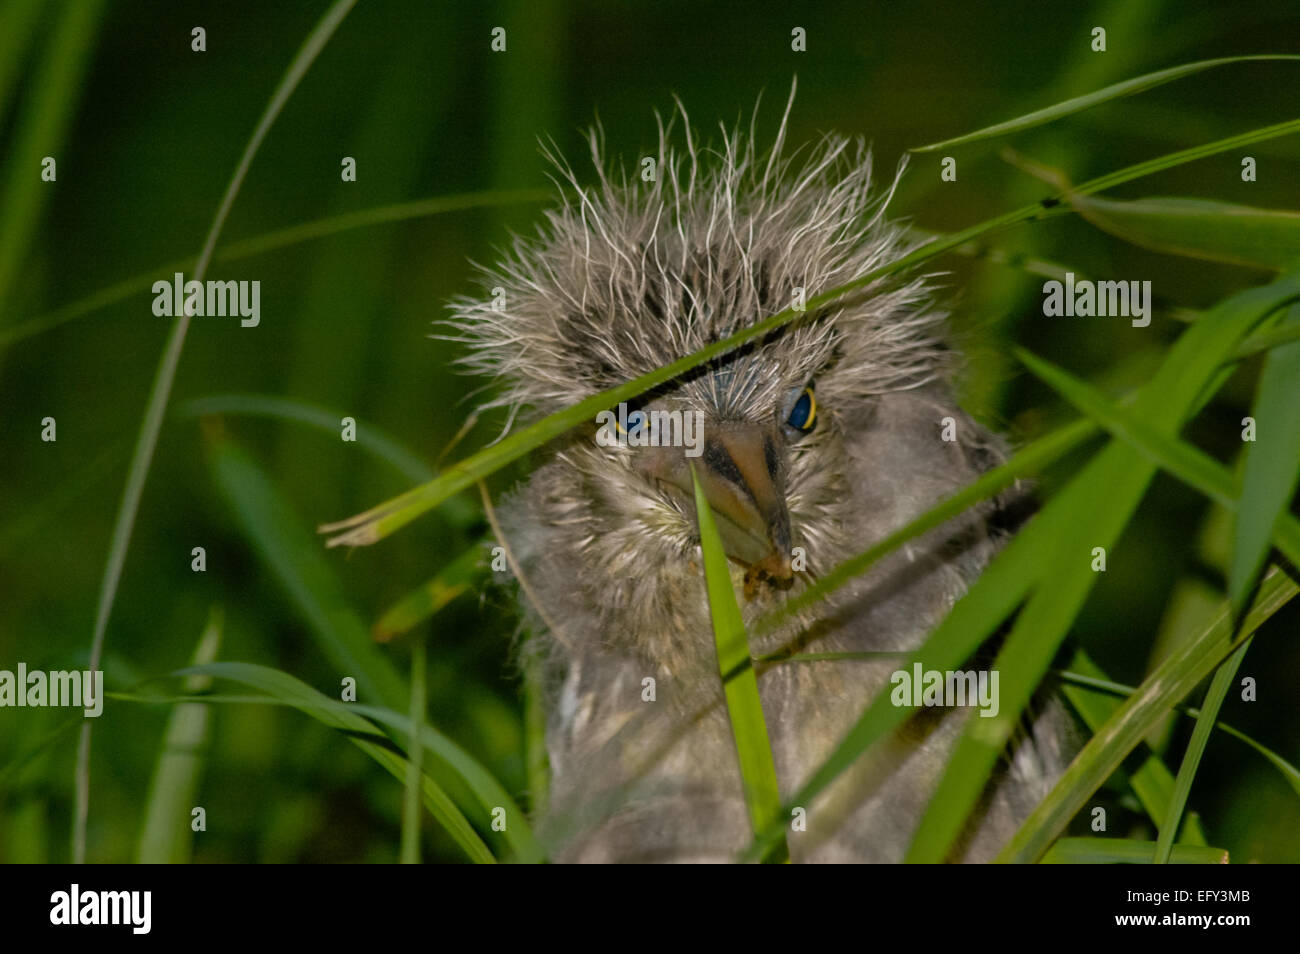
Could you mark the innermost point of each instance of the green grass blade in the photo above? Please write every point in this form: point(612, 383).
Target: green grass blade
point(41, 747)
point(536, 758)
point(739, 681)
point(269, 242)
point(166, 837)
point(1038, 455)
point(1214, 697)
point(1126, 851)
point(1092, 681)
point(1025, 561)
point(1098, 505)
point(160, 392)
point(298, 563)
point(391, 515)
point(40, 129)
point(369, 436)
point(426, 601)
point(1288, 771)
point(1171, 681)
point(1197, 228)
point(18, 22)
point(1267, 341)
point(1272, 466)
point(348, 719)
point(1188, 463)
point(462, 771)
point(1152, 781)
point(450, 763)
point(454, 768)
point(411, 804)
point(1087, 101)
point(267, 519)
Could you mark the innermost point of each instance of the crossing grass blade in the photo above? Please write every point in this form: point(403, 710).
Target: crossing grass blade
point(1271, 469)
point(414, 756)
point(298, 564)
point(267, 519)
point(369, 437)
point(1151, 781)
point(1127, 851)
point(1079, 103)
point(450, 767)
point(1085, 675)
point(1028, 460)
point(419, 605)
point(288, 690)
point(18, 22)
point(39, 129)
point(165, 837)
point(1214, 697)
point(270, 242)
point(1110, 487)
point(1267, 341)
point(160, 392)
point(1171, 681)
point(1186, 462)
point(1097, 506)
point(378, 522)
point(739, 681)
point(1198, 228)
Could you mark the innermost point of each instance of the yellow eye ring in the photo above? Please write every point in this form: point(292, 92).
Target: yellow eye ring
point(635, 418)
point(803, 416)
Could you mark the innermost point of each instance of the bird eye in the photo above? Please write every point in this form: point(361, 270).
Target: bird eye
point(635, 419)
point(803, 416)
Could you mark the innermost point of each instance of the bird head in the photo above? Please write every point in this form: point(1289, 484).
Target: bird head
point(632, 271)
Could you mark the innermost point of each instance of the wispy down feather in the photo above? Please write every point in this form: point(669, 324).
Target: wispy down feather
point(625, 275)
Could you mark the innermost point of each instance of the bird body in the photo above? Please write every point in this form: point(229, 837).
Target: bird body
point(817, 441)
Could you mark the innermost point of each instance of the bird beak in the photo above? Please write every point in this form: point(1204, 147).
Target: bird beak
point(741, 475)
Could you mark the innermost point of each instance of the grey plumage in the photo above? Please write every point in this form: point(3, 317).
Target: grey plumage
point(620, 279)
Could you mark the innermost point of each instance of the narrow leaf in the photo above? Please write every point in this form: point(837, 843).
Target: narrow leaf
point(1198, 228)
point(1096, 507)
point(288, 690)
point(1096, 98)
point(1125, 851)
point(369, 437)
point(1171, 681)
point(166, 837)
point(160, 392)
point(411, 803)
point(1214, 697)
point(268, 242)
point(268, 520)
point(1188, 463)
point(740, 684)
point(426, 601)
point(1099, 687)
point(378, 522)
point(1152, 781)
point(1272, 465)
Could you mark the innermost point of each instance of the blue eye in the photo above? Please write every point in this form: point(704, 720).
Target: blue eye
point(803, 416)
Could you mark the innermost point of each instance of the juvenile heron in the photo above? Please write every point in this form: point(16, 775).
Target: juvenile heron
point(817, 441)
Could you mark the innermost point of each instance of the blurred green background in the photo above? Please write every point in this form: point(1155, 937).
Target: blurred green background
point(146, 140)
